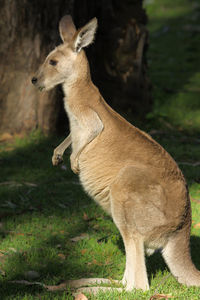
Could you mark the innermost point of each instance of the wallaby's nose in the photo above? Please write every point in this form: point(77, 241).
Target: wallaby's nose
point(34, 80)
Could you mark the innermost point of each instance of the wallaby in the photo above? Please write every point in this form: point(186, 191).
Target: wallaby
point(121, 167)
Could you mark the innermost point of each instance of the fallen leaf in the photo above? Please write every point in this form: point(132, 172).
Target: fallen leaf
point(197, 225)
point(161, 296)
point(79, 238)
point(95, 262)
point(62, 256)
point(83, 251)
point(85, 217)
point(80, 296)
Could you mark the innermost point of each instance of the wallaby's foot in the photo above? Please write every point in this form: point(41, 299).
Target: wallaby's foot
point(76, 283)
point(129, 285)
point(96, 289)
point(57, 159)
point(74, 164)
point(82, 285)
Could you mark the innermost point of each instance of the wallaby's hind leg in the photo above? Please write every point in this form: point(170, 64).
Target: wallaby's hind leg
point(177, 256)
point(137, 203)
point(135, 275)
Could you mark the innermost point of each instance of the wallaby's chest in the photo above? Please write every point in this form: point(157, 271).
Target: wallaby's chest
point(76, 130)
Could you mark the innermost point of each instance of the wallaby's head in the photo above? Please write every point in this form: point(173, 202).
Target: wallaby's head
point(66, 63)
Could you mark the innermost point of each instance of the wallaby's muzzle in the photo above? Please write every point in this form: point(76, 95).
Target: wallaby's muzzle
point(34, 80)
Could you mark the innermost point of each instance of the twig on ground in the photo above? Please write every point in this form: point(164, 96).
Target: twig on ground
point(18, 184)
point(196, 164)
point(159, 285)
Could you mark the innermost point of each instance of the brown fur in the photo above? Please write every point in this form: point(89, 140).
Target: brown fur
point(122, 168)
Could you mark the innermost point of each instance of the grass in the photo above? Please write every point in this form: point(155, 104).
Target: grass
point(174, 60)
point(43, 208)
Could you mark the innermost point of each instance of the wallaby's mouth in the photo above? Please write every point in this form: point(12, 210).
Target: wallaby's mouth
point(41, 88)
point(34, 81)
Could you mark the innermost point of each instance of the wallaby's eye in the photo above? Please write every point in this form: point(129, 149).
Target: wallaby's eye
point(53, 62)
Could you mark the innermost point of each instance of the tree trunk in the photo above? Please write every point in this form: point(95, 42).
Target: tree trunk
point(29, 30)
point(118, 57)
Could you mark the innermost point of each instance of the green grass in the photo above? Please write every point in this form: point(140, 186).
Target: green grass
point(43, 207)
point(174, 60)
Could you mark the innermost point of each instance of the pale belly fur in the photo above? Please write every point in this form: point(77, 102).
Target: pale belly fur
point(97, 185)
point(97, 173)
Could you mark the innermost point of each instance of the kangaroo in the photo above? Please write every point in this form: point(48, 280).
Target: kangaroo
point(121, 167)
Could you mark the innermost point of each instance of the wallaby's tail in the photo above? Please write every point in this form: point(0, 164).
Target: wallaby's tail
point(177, 256)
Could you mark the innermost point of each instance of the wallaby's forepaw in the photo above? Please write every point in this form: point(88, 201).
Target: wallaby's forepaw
point(57, 159)
point(74, 164)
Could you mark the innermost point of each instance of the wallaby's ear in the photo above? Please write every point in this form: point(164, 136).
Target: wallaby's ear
point(85, 35)
point(67, 29)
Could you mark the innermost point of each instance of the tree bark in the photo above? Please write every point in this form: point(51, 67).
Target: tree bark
point(29, 30)
point(118, 57)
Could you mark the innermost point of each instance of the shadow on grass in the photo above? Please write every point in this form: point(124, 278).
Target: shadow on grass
point(29, 181)
point(195, 246)
point(156, 262)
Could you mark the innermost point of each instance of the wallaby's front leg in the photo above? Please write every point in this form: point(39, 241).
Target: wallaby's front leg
point(89, 127)
point(57, 157)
